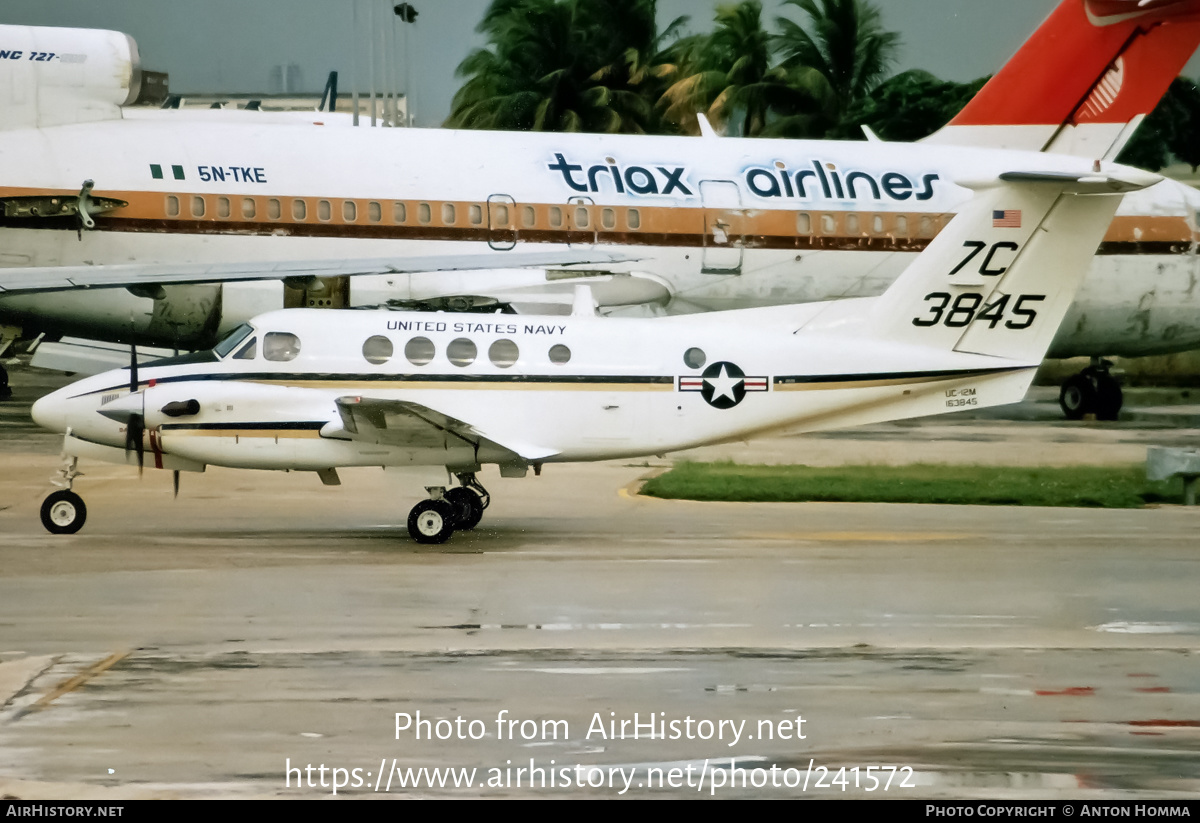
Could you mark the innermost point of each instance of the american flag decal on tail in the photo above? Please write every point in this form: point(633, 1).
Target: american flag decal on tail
point(1006, 219)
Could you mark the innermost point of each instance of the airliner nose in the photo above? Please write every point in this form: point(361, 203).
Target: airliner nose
point(48, 412)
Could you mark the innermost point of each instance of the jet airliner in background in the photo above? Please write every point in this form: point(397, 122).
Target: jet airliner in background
point(96, 193)
point(966, 325)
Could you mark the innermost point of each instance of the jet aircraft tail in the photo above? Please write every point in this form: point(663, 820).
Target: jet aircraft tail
point(999, 279)
point(1085, 79)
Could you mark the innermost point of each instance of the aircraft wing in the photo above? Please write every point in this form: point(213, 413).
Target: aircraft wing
point(59, 278)
point(404, 423)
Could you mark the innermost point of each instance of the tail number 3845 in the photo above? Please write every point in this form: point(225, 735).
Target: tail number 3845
point(956, 312)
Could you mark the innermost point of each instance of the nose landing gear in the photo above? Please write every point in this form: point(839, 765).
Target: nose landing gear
point(63, 511)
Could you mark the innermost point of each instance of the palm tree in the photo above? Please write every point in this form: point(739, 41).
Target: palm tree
point(562, 65)
point(845, 43)
point(730, 76)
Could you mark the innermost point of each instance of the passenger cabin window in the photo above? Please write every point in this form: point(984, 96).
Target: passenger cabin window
point(324, 210)
point(281, 346)
point(249, 209)
point(877, 224)
point(852, 224)
point(501, 213)
point(528, 217)
point(461, 352)
point(223, 209)
point(424, 213)
point(633, 219)
point(503, 353)
point(197, 206)
point(581, 217)
point(559, 354)
point(608, 218)
point(475, 214)
point(828, 224)
point(448, 214)
point(694, 358)
point(377, 350)
point(555, 217)
point(274, 212)
point(399, 212)
point(374, 212)
point(349, 211)
point(299, 209)
point(419, 351)
point(172, 206)
point(804, 223)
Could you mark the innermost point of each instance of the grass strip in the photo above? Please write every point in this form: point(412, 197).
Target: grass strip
point(1114, 487)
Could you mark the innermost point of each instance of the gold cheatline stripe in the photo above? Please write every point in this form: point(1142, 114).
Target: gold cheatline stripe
point(544, 222)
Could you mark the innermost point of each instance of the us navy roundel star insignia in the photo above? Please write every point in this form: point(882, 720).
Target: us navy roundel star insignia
point(723, 385)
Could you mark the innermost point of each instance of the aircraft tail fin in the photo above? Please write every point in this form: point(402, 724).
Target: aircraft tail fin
point(999, 279)
point(1085, 79)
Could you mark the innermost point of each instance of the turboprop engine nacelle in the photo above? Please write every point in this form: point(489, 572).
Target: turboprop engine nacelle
point(54, 77)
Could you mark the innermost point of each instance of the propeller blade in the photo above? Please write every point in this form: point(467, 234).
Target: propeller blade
point(133, 367)
point(134, 440)
point(175, 481)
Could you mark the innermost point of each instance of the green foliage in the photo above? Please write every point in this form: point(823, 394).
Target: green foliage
point(1171, 131)
point(907, 107)
point(1089, 486)
point(564, 65)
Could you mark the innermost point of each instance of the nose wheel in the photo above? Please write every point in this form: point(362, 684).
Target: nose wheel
point(63, 512)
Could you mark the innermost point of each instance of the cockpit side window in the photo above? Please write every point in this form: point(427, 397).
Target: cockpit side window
point(231, 340)
point(281, 346)
point(249, 351)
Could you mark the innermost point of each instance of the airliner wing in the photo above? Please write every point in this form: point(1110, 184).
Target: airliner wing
point(404, 423)
point(60, 278)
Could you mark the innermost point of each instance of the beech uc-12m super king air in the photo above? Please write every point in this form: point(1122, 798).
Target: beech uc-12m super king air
point(174, 207)
point(966, 325)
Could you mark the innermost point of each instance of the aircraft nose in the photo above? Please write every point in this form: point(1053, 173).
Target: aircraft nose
point(49, 413)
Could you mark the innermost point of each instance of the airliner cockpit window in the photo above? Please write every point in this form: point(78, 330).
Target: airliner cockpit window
point(281, 346)
point(231, 340)
point(248, 351)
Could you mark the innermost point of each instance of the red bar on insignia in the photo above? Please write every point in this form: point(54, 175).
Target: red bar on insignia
point(1007, 219)
point(691, 384)
point(756, 384)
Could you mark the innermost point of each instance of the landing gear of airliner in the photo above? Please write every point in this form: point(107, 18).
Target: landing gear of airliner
point(5, 391)
point(435, 519)
point(1093, 391)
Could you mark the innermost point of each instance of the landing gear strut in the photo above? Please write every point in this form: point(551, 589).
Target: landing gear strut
point(5, 391)
point(63, 511)
point(1093, 391)
point(435, 519)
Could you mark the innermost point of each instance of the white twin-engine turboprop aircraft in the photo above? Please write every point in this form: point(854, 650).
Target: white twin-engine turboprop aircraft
point(965, 325)
point(160, 207)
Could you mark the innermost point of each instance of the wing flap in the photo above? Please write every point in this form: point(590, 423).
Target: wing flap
point(404, 423)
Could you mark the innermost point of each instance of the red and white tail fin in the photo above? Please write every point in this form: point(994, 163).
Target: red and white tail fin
point(1085, 79)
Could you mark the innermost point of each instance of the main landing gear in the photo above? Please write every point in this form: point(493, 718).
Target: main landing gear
point(5, 391)
point(1093, 391)
point(435, 519)
point(63, 511)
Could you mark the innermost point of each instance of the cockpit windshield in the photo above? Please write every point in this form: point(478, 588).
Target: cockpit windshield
point(230, 341)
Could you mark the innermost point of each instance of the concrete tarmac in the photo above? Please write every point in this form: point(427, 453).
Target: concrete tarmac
point(598, 643)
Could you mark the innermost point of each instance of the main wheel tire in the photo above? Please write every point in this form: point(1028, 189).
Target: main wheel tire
point(1109, 397)
point(63, 512)
point(431, 521)
point(1077, 397)
point(468, 507)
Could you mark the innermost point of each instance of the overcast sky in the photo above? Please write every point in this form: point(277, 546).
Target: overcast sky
point(228, 46)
